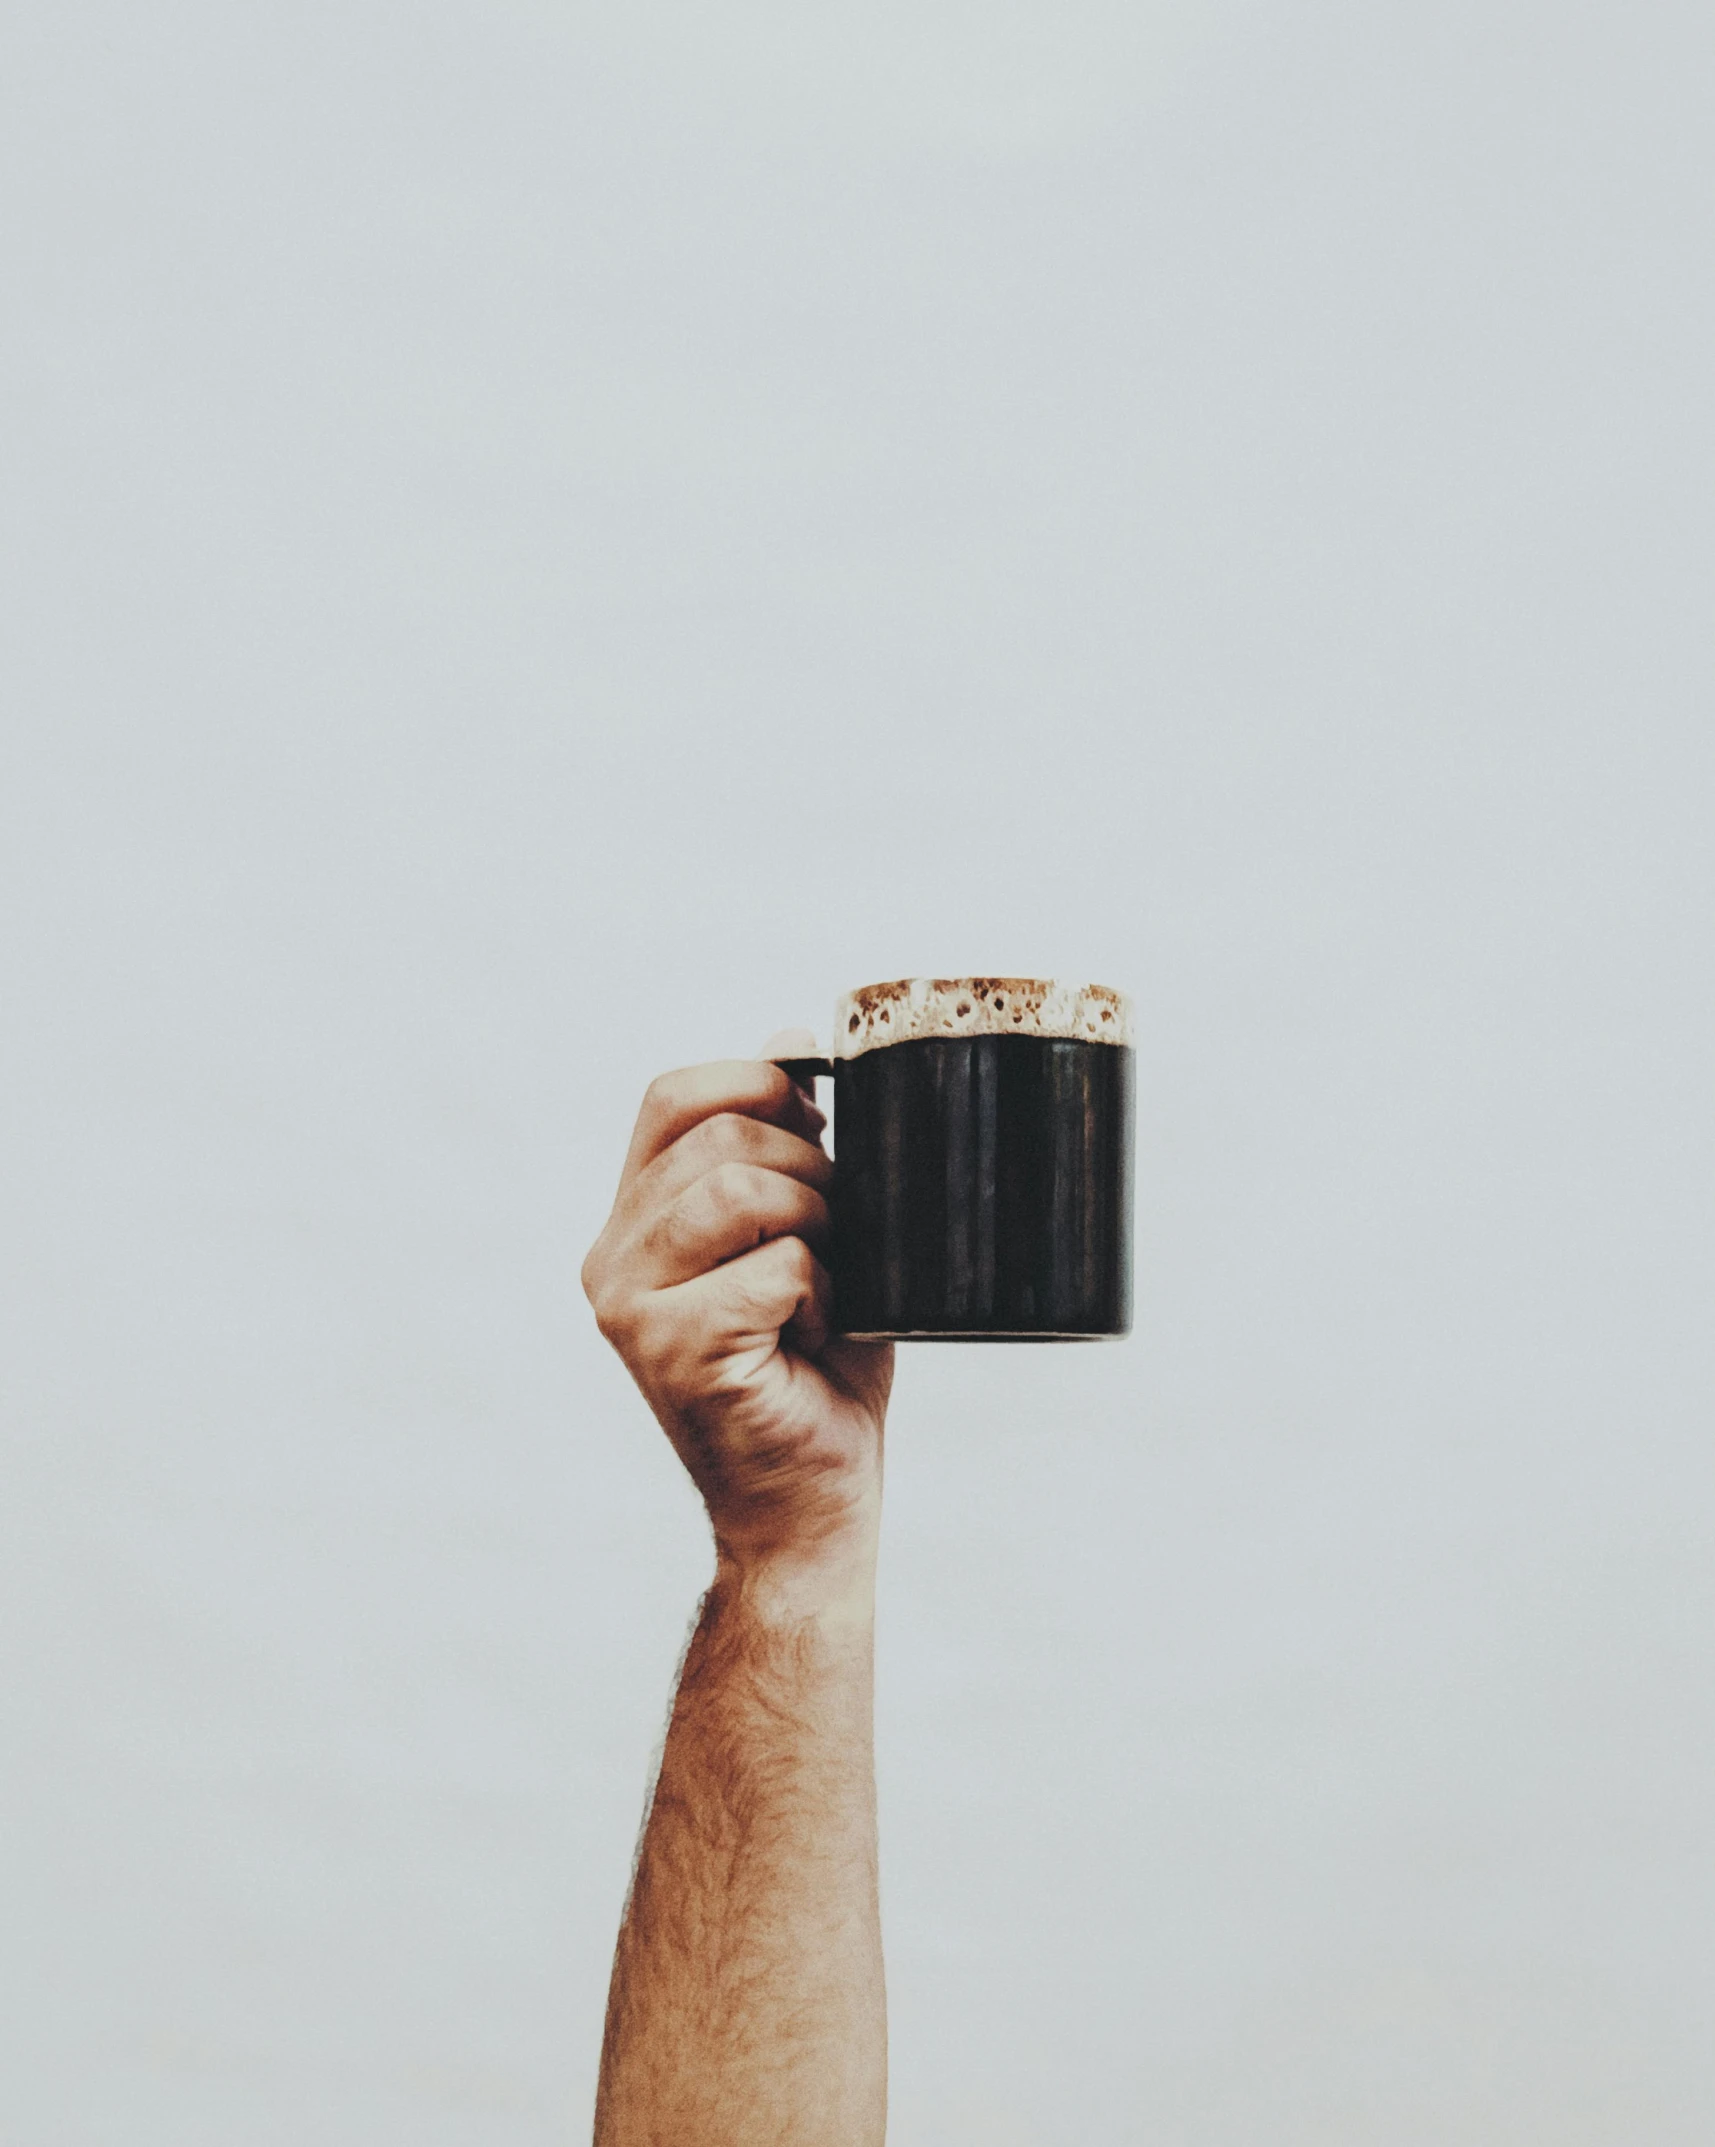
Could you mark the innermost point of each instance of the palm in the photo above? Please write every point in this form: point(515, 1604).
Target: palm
point(800, 1430)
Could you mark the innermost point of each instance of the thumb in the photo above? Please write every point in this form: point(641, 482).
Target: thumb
point(796, 1044)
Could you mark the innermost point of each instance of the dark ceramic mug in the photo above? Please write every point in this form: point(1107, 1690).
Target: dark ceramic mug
point(982, 1160)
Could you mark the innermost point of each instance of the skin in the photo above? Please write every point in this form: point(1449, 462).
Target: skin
point(747, 2001)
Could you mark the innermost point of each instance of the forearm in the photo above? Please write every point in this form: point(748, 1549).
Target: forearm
point(747, 2000)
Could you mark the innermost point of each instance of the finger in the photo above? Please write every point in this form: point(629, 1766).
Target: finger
point(727, 1211)
point(786, 1044)
point(728, 1137)
point(676, 1102)
point(752, 1298)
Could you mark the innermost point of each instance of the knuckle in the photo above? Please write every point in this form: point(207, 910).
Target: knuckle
point(643, 1332)
point(661, 1098)
point(734, 1188)
point(660, 1090)
point(797, 1259)
point(722, 1137)
point(679, 1228)
point(610, 1300)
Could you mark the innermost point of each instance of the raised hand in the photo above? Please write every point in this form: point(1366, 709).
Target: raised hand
point(706, 1280)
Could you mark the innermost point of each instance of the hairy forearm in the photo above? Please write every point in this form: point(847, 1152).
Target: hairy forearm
point(747, 2003)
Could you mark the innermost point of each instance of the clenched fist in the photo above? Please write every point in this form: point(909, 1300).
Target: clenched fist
point(706, 1280)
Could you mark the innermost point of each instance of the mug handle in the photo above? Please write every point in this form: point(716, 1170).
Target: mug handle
point(806, 1072)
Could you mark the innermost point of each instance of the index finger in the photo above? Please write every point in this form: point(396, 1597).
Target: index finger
point(675, 1102)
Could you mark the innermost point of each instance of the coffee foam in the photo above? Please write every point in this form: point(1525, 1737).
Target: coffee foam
point(917, 1007)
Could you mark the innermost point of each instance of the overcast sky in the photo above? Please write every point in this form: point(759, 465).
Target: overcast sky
point(543, 542)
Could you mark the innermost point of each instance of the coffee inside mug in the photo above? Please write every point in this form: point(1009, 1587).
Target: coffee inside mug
point(983, 1160)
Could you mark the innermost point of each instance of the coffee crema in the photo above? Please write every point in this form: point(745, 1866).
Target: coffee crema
point(915, 1007)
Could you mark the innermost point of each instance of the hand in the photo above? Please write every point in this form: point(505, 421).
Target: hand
point(706, 1282)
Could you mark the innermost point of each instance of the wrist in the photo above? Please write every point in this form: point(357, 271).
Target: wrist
point(830, 1585)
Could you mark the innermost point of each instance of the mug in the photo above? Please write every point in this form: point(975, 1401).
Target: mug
point(983, 1136)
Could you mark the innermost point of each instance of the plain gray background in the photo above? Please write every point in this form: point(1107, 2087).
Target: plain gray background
point(544, 542)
